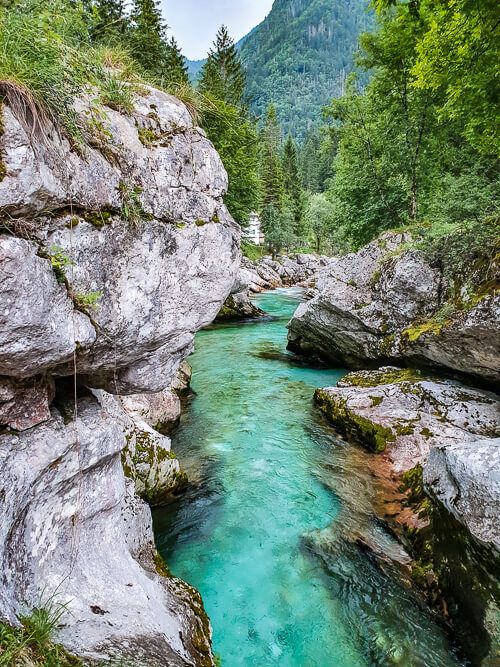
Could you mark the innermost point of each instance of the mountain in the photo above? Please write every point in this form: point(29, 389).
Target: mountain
point(299, 56)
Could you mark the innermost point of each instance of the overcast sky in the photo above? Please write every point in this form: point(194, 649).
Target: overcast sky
point(195, 22)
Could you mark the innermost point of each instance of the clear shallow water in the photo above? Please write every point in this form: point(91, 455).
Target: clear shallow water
point(270, 529)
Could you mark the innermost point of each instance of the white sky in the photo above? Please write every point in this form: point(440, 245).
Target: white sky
point(195, 22)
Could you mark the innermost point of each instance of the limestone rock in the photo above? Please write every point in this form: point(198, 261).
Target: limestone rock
point(39, 327)
point(25, 403)
point(73, 530)
point(465, 478)
point(384, 304)
point(140, 234)
point(450, 429)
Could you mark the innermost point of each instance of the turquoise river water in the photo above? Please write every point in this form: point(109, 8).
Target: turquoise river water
point(270, 529)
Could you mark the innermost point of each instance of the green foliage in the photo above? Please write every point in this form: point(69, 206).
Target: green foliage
point(116, 93)
point(87, 300)
point(60, 261)
point(459, 53)
point(148, 36)
point(31, 643)
point(175, 64)
point(292, 184)
point(223, 75)
point(396, 163)
point(321, 224)
point(299, 56)
point(252, 251)
point(235, 138)
point(273, 189)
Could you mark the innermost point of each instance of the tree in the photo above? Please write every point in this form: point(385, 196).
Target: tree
point(277, 226)
point(292, 184)
point(110, 23)
point(320, 218)
point(235, 138)
point(175, 64)
point(273, 190)
point(148, 36)
point(223, 75)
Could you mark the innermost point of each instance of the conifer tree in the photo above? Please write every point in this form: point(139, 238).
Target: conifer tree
point(223, 75)
point(176, 68)
point(109, 24)
point(292, 184)
point(148, 36)
point(273, 191)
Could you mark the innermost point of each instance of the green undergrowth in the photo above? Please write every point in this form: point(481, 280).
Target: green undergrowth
point(252, 251)
point(31, 644)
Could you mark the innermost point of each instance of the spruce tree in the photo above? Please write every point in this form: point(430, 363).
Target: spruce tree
point(292, 184)
point(176, 68)
point(109, 24)
point(148, 36)
point(273, 191)
point(223, 75)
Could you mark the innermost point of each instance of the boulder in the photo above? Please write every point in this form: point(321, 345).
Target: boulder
point(125, 243)
point(448, 428)
point(465, 477)
point(387, 303)
point(73, 533)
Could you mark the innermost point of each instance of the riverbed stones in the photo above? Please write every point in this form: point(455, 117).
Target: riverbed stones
point(450, 429)
point(387, 303)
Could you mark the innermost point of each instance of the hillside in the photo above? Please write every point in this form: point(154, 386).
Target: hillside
point(299, 56)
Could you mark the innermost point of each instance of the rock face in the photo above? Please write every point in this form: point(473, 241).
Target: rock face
point(113, 256)
point(449, 429)
point(72, 528)
point(386, 303)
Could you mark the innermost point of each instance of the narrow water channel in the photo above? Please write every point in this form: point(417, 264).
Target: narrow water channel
point(269, 529)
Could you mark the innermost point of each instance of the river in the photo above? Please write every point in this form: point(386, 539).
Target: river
point(269, 529)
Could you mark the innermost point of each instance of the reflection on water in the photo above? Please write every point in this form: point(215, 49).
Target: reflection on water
point(268, 531)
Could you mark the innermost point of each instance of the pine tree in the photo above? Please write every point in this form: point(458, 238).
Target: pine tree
point(148, 36)
point(292, 184)
point(176, 68)
point(223, 75)
point(273, 191)
point(109, 24)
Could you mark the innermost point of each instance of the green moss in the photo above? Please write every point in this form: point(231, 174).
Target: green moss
point(376, 400)
point(98, 218)
point(386, 344)
point(432, 327)
point(160, 566)
point(381, 377)
point(180, 225)
point(215, 218)
point(405, 428)
point(354, 426)
point(73, 222)
point(426, 433)
point(200, 223)
point(147, 137)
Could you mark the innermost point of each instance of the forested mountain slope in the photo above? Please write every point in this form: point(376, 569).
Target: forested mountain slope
point(299, 56)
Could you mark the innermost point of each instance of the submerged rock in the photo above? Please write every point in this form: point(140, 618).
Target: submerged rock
point(448, 428)
point(387, 303)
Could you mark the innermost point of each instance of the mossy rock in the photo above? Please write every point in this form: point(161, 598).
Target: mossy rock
point(382, 376)
point(353, 426)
